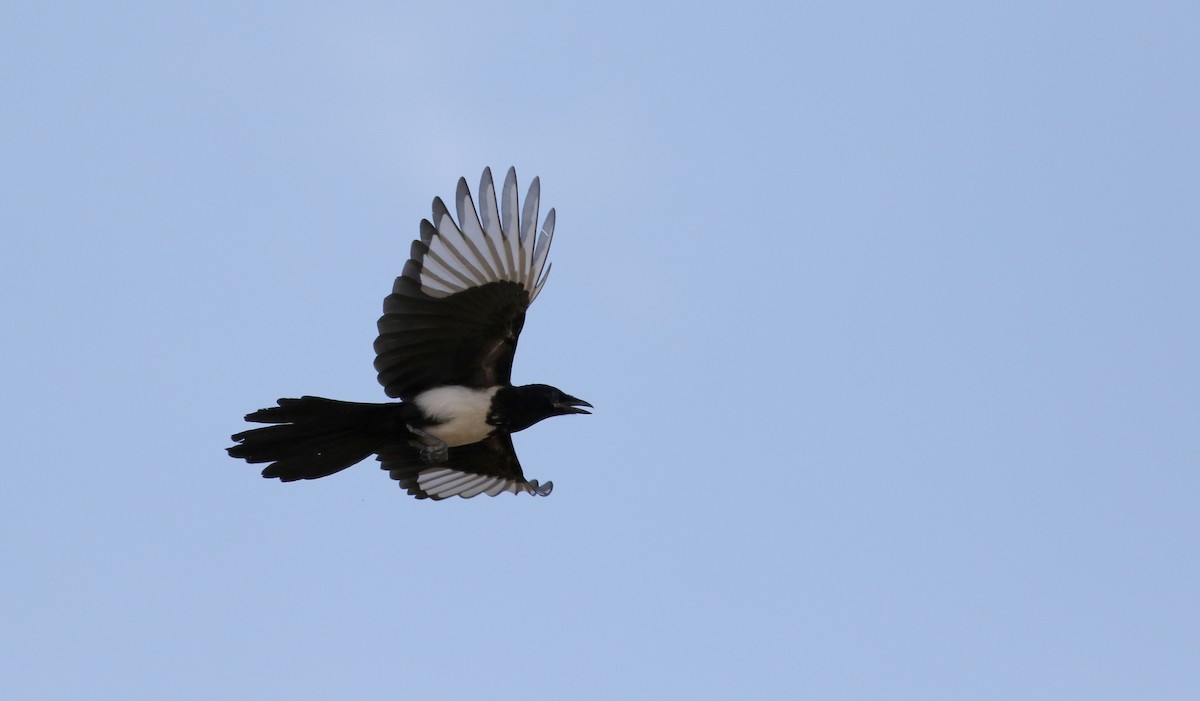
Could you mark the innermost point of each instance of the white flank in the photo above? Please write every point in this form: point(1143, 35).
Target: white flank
point(462, 412)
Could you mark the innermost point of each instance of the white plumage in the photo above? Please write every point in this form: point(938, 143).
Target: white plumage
point(462, 412)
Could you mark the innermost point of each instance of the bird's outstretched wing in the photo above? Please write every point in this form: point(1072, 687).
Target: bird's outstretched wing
point(456, 310)
point(487, 467)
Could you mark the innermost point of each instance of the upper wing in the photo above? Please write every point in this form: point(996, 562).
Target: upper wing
point(487, 467)
point(457, 308)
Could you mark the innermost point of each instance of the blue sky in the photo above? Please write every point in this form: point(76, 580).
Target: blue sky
point(889, 313)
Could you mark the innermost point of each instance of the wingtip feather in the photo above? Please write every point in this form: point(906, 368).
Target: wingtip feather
point(493, 240)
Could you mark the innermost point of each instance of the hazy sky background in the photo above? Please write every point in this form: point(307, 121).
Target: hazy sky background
point(890, 313)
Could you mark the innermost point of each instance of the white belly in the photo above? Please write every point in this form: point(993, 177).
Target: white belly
point(461, 411)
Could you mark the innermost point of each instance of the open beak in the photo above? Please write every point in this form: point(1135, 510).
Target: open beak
point(572, 405)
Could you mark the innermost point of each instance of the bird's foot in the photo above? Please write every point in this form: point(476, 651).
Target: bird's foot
point(435, 454)
point(434, 451)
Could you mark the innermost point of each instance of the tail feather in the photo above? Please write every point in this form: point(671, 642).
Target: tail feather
point(312, 437)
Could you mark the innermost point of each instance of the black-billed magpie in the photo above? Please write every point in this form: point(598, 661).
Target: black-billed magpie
point(445, 348)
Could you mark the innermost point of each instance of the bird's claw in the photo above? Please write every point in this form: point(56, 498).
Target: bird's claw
point(435, 454)
point(434, 451)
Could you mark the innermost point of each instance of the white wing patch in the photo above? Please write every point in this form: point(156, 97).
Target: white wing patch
point(442, 482)
point(496, 243)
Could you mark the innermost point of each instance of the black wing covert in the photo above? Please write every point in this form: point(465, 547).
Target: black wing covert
point(457, 308)
point(487, 467)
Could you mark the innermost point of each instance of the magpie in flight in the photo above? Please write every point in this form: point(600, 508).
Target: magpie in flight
point(445, 349)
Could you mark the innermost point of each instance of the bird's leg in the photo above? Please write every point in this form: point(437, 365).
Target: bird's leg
point(434, 451)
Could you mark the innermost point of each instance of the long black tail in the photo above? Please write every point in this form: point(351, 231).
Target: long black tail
point(314, 437)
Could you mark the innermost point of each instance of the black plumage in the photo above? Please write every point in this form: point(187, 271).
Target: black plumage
point(445, 348)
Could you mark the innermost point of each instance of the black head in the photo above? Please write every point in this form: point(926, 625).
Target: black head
point(518, 408)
